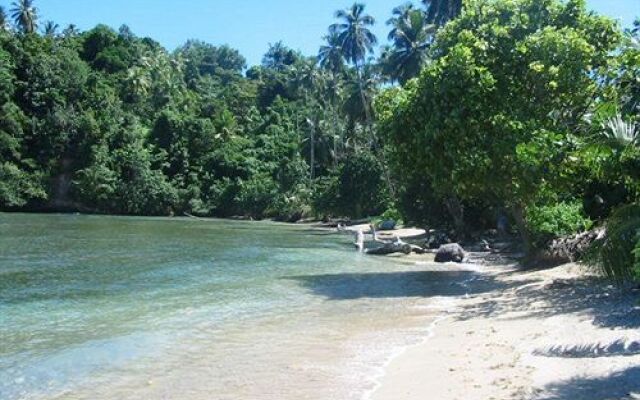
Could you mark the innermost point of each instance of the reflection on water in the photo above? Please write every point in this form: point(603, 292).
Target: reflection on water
point(137, 308)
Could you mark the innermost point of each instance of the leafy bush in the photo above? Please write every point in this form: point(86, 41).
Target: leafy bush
point(356, 190)
point(617, 253)
point(361, 188)
point(256, 195)
point(391, 213)
point(324, 199)
point(551, 221)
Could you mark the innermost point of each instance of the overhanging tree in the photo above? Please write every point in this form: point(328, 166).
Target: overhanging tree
point(492, 117)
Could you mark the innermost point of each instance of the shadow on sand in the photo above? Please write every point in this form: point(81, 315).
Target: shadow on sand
point(349, 286)
point(616, 348)
point(609, 306)
point(614, 386)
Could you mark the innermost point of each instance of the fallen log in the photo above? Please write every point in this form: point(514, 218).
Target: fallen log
point(390, 248)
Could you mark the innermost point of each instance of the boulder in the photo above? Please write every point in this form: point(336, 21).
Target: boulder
point(387, 225)
point(435, 239)
point(452, 252)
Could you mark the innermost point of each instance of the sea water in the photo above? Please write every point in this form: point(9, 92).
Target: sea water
point(95, 307)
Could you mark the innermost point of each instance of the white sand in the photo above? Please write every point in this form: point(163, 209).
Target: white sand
point(552, 334)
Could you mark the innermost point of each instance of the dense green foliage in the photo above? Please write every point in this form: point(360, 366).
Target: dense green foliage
point(105, 121)
point(498, 115)
point(475, 110)
point(559, 219)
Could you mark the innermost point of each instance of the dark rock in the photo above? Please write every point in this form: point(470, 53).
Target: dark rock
point(435, 239)
point(452, 252)
point(387, 225)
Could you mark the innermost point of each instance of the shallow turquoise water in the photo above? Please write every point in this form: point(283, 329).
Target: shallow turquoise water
point(98, 307)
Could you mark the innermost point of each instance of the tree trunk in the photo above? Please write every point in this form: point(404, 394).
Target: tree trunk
point(519, 216)
point(313, 153)
point(456, 210)
point(335, 135)
point(363, 98)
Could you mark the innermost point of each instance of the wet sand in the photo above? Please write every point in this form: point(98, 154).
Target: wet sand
point(559, 333)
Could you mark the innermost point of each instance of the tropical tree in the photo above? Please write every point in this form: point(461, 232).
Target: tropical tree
point(25, 15)
point(71, 30)
point(441, 11)
point(3, 19)
point(356, 41)
point(50, 28)
point(411, 36)
point(477, 121)
point(308, 79)
point(330, 56)
point(279, 57)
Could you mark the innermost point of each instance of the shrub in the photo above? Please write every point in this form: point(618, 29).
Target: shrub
point(392, 213)
point(324, 199)
point(361, 188)
point(357, 190)
point(617, 253)
point(548, 222)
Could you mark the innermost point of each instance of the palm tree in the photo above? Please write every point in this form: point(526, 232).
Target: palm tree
point(411, 37)
point(331, 94)
point(308, 79)
point(441, 11)
point(3, 19)
point(70, 31)
point(356, 41)
point(25, 16)
point(330, 55)
point(279, 57)
point(50, 28)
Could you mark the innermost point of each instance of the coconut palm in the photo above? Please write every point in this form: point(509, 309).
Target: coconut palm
point(354, 36)
point(441, 11)
point(70, 31)
point(330, 55)
point(3, 20)
point(50, 28)
point(356, 41)
point(25, 15)
point(411, 36)
point(279, 57)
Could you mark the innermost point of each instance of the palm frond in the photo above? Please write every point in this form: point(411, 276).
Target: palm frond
point(614, 252)
point(621, 131)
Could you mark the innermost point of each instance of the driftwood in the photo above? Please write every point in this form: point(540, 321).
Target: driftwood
point(393, 246)
point(390, 248)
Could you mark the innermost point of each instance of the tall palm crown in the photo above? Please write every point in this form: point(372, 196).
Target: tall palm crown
point(411, 36)
point(25, 15)
point(441, 11)
point(50, 28)
point(354, 36)
point(330, 54)
point(3, 19)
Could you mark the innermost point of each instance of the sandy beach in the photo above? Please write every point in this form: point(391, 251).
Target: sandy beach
point(559, 333)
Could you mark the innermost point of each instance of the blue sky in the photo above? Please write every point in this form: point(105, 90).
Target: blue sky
point(248, 25)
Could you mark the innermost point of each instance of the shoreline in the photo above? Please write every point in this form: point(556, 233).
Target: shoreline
point(543, 334)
